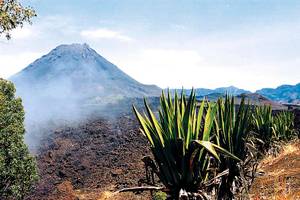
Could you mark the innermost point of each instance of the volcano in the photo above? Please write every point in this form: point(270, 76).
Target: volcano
point(71, 84)
point(71, 77)
point(77, 71)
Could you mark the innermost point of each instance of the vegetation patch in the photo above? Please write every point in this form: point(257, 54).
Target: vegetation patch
point(212, 150)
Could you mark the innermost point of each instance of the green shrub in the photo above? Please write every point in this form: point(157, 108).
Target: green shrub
point(194, 144)
point(284, 126)
point(262, 121)
point(271, 129)
point(232, 128)
point(18, 169)
point(180, 141)
point(159, 196)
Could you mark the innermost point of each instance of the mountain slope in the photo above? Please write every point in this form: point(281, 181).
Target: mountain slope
point(78, 71)
point(68, 80)
point(71, 84)
point(221, 90)
point(283, 93)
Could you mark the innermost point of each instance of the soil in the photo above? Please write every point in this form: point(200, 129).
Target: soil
point(98, 156)
point(91, 161)
point(282, 175)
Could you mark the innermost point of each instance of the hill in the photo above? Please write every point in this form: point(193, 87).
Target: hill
point(221, 90)
point(283, 93)
point(71, 83)
point(78, 71)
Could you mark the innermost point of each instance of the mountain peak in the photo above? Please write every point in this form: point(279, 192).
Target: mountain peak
point(73, 49)
point(231, 90)
point(79, 69)
point(74, 46)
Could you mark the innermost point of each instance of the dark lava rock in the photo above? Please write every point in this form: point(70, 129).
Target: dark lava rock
point(98, 154)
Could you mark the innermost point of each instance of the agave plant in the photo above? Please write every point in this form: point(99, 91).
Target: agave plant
point(232, 128)
point(283, 126)
point(262, 121)
point(180, 142)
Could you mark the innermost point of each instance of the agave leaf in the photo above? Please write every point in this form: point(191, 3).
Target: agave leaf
point(225, 152)
point(143, 125)
point(187, 118)
point(178, 122)
point(209, 147)
point(199, 120)
point(155, 123)
point(209, 120)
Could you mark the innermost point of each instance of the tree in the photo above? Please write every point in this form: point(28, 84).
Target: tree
point(13, 15)
point(18, 170)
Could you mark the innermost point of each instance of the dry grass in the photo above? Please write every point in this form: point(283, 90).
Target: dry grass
point(109, 195)
point(282, 175)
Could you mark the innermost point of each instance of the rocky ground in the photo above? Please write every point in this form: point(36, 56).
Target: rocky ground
point(99, 155)
point(92, 160)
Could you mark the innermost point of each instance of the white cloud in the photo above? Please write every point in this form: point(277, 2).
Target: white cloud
point(171, 57)
point(23, 33)
point(11, 64)
point(104, 33)
point(250, 57)
point(179, 27)
point(175, 68)
point(164, 67)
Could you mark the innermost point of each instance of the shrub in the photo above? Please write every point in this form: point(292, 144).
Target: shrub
point(232, 129)
point(271, 130)
point(180, 142)
point(18, 169)
point(203, 147)
point(159, 196)
point(283, 126)
point(262, 121)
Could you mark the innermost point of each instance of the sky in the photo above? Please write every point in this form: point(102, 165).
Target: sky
point(251, 44)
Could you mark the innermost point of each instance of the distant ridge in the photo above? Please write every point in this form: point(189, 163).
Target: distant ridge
point(232, 90)
point(283, 93)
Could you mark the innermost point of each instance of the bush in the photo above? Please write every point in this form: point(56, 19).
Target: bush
point(180, 142)
point(284, 126)
point(271, 129)
point(159, 196)
point(232, 128)
point(210, 148)
point(262, 121)
point(18, 169)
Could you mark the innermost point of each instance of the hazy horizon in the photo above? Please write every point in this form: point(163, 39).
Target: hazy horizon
point(195, 43)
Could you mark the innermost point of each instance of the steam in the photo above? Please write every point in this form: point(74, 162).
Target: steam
point(59, 104)
point(72, 84)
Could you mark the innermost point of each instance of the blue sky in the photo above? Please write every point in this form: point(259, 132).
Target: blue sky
point(172, 43)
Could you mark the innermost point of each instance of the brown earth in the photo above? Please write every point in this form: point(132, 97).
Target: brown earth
point(282, 175)
point(80, 162)
point(281, 180)
point(93, 160)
